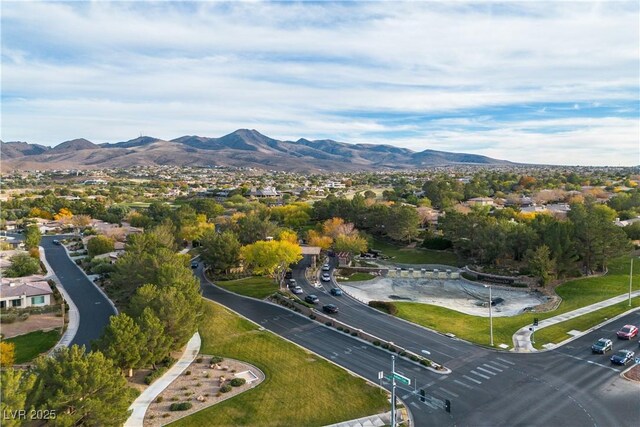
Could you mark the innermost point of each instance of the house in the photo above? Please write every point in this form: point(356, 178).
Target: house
point(344, 259)
point(264, 192)
point(335, 184)
point(480, 201)
point(17, 293)
point(626, 222)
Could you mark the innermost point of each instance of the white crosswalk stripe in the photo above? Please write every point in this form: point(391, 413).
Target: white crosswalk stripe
point(480, 375)
point(450, 393)
point(471, 379)
point(486, 371)
point(505, 361)
point(493, 367)
point(462, 384)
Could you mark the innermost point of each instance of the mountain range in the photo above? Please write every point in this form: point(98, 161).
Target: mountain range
point(242, 148)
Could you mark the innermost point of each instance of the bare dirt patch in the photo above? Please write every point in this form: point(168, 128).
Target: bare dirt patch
point(633, 374)
point(200, 386)
point(35, 322)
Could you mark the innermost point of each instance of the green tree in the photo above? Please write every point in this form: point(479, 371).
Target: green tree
point(100, 245)
point(252, 228)
point(157, 342)
point(17, 394)
point(541, 264)
point(352, 243)
point(22, 265)
point(85, 389)
point(402, 223)
point(178, 308)
point(32, 237)
point(271, 257)
point(221, 251)
point(122, 342)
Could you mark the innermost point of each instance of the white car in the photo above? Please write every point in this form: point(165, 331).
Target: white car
point(296, 290)
point(326, 267)
point(326, 277)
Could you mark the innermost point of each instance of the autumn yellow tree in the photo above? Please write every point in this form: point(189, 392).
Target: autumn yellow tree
point(288, 236)
point(271, 257)
point(40, 213)
point(7, 354)
point(316, 239)
point(63, 214)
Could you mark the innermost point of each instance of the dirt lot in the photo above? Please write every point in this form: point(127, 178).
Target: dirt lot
point(633, 374)
point(35, 322)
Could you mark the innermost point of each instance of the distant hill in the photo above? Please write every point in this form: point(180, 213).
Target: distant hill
point(242, 148)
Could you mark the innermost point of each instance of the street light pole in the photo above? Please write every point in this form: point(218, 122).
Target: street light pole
point(490, 315)
point(393, 391)
point(630, 280)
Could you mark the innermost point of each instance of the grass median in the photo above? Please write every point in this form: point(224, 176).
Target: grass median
point(300, 388)
point(30, 345)
point(255, 286)
point(575, 294)
point(559, 332)
point(357, 277)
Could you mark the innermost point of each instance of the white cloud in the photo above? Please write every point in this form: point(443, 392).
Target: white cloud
point(108, 70)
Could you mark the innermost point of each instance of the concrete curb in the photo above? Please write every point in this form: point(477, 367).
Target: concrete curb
point(92, 282)
point(262, 328)
point(142, 402)
point(74, 315)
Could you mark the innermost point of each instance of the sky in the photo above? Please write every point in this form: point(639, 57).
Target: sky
point(527, 81)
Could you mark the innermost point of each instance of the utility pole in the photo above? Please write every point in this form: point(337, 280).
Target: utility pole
point(393, 391)
point(490, 315)
point(630, 280)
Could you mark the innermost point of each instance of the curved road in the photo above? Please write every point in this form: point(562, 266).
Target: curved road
point(568, 387)
point(94, 308)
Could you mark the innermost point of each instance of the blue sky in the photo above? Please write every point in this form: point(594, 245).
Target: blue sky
point(541, 82)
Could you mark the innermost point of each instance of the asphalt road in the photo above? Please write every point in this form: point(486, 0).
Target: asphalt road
point(93, 308)
point(566, 387)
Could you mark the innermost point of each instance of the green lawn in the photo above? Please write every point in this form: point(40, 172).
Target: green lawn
point(256, 286)
point(300, 389)
point(415, 256)
point(558, 333)
point(30, 345)
point(575, 294)
point(357, 277)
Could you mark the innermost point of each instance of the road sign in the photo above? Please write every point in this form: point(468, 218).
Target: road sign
point(402, 379)
point(380, 375)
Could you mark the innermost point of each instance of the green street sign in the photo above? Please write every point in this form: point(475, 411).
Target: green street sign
point(400, 378)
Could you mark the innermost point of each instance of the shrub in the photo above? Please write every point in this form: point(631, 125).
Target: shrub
point(376, 343)
point(392, 349)
point(218, 394)
point(385, 346)
point(198, 359)
point(346, 331)
point(174, 399)
point(327, 323)
point(237, 382)
point(154, 375)
point(159, 399)
point(340, 328)
point(183, 388)
point(437, 243)
point(216, 359)
point(403, 353)
point(386, 306)
point(168, 361)
point(312, 317)
point(225, 388)
point(354, 334)
point(425, 362)
point(198, 384)
point(182, 406)
point(166, 415)
point(187, 373)
point(414, 358)
point(8, 318)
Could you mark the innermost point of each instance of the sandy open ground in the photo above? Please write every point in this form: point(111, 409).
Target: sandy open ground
point(459, 295)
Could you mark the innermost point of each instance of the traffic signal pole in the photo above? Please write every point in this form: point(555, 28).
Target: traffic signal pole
point(393, 391)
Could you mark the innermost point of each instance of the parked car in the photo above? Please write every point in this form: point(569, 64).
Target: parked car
point(622, 357)
point(292, 283)
point(312, 299)
point(602, 346)
point(288, 274)
point(326, 267)
point(336, 292)
point(194, 264)
point(330, 308)
point(627, 332)
point(326, 277)
point(56, 242)
point(296, 290)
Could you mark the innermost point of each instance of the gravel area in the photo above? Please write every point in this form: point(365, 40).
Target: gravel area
point(35, 322)
point(200, 385)
point(459, 295)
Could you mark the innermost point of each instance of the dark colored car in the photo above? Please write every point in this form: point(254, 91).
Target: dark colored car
point(622, 357)
point(56, 242)
point(330, 308)
point(288, 274)
point(602, 346)
point(627, 332)
point(194, 264)
point(336, 292)
point(312, 299)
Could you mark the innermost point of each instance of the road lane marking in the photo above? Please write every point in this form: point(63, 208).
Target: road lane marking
point(480, 375)
point(471, 379)
point(450, 393)
point(493, 367)
point(463, 384)
point(486, 371)
point(506, 361)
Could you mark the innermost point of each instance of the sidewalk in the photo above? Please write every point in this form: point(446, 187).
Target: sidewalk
point(140, 405)
point(522, 338)
point(383, 419)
